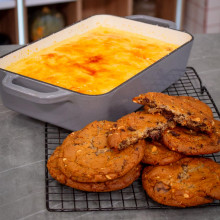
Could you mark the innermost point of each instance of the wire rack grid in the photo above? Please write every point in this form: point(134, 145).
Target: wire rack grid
point(61, 198)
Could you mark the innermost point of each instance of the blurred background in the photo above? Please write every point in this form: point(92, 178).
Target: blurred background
point(24, 21)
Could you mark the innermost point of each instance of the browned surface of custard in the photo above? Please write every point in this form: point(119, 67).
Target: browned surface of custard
point(95, 62)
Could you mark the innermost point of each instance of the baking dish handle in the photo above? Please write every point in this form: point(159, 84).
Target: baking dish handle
point(153, 20)
point(47, 97)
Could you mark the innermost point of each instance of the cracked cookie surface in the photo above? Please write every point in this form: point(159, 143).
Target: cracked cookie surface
point(187, 111)
point(156, 153)
point(86, 157)
point(135, 126)
point(187, 182)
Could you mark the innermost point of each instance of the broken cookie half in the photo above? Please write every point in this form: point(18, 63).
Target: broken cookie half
point(135, 126)
point(187, 111)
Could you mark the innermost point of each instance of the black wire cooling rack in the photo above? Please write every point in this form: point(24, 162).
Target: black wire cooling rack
point(60, 198)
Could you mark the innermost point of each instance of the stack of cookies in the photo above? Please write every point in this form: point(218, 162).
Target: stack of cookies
point(166, 137)
point(176, 177)
point(85, 162)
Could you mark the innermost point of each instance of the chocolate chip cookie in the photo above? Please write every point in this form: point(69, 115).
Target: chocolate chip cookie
point(86, 157)
point(187, 182)
point(135, 126)
point(189, 112)
point(110, 185)
point(189, 142)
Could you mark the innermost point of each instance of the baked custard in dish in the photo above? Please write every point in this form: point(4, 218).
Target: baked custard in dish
point(95, 62)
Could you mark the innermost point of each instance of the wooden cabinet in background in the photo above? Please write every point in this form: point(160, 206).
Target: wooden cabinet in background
point(75, 10)
point(7, 24)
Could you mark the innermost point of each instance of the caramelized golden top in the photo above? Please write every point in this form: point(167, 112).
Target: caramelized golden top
point(95, 62)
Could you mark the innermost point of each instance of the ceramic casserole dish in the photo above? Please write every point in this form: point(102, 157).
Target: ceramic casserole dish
point(72, 110)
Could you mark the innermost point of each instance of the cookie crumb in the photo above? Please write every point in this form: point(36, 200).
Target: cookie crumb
point(196, 119)
point(154, 149)
point(108, 177)
point(186, 195)
point(121, 127)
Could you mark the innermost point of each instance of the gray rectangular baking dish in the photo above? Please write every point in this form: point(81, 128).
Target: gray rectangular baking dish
point(72, 110)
